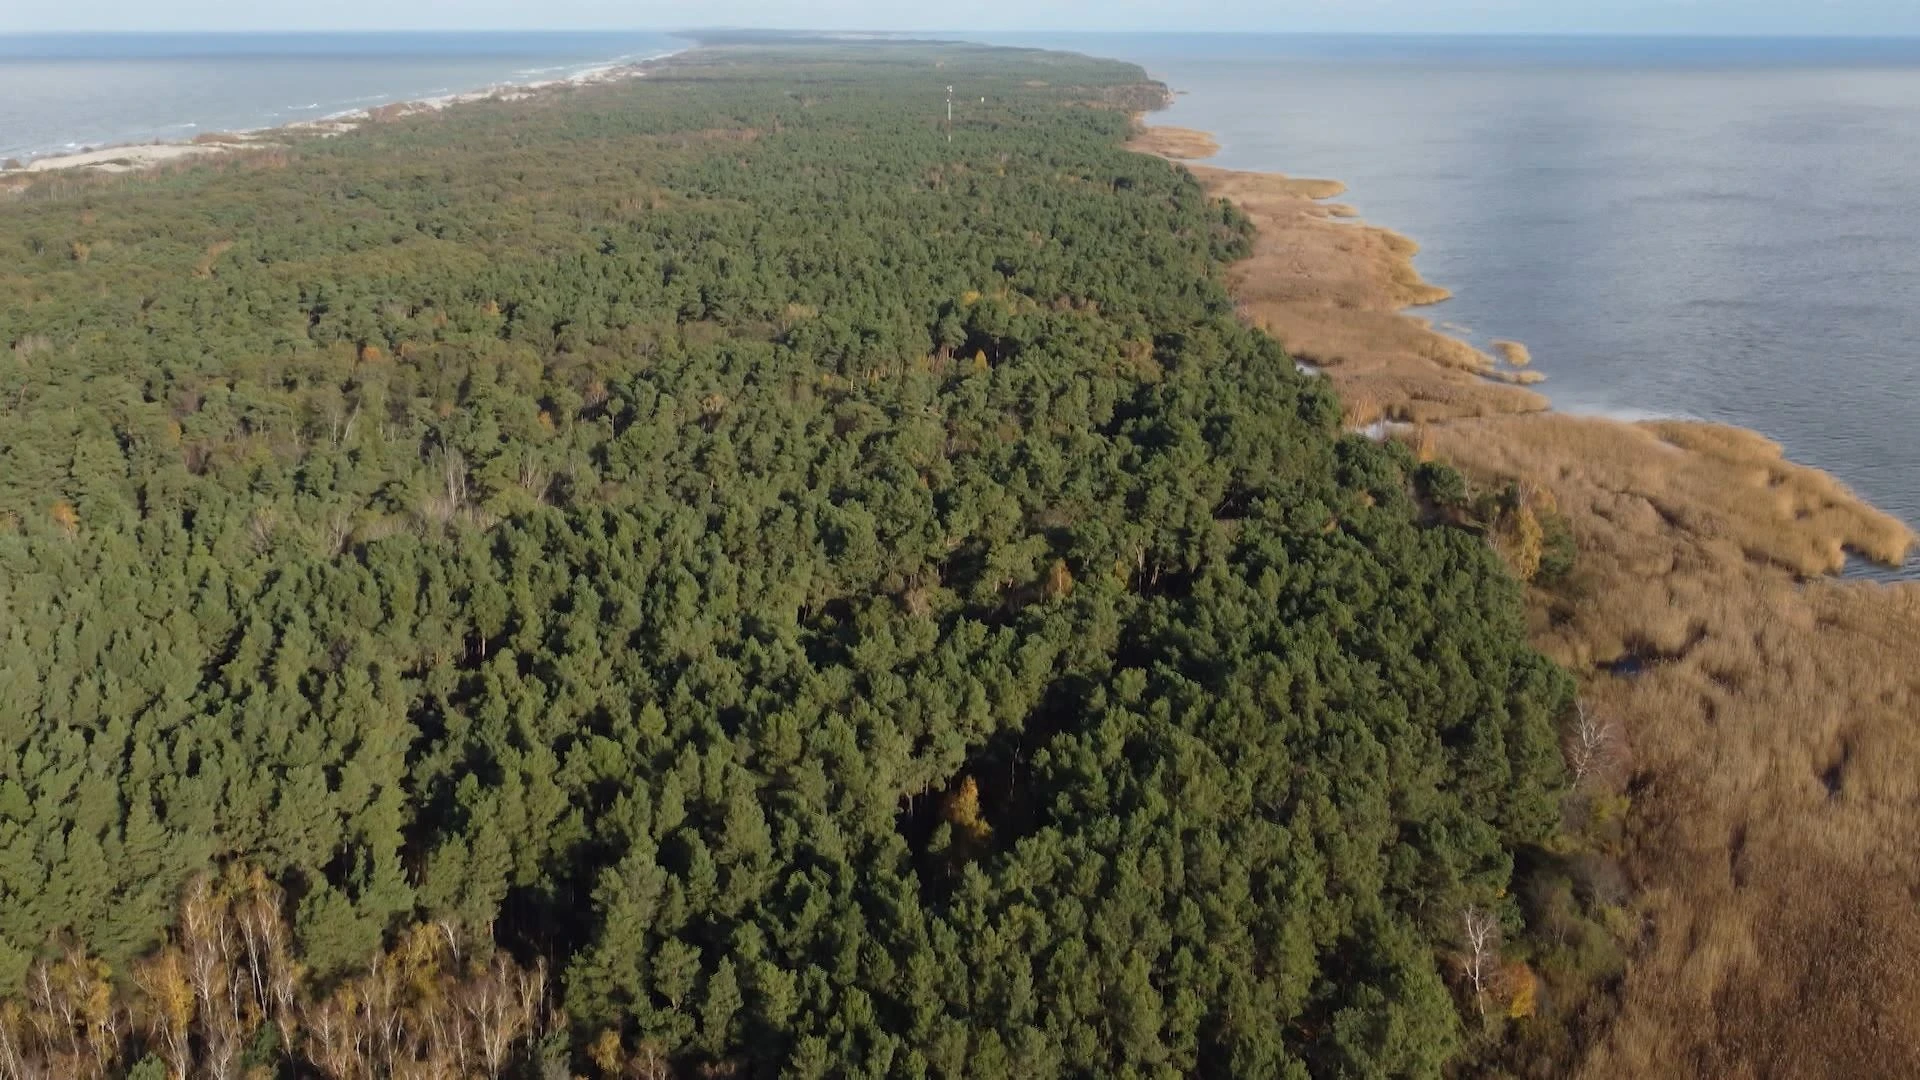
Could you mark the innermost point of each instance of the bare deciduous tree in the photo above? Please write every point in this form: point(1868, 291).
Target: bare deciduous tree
point(450, 931)
point(535, 478)
point(207, 939)
point(415, 1013)
point(1592, 744)
point(444, 507)
point(453, 473)
point(503, 1003)
point(1480, 961)
point(330, 1040)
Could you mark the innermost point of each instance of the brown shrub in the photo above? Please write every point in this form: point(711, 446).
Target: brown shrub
point(1773, 792)
point(1513, 353)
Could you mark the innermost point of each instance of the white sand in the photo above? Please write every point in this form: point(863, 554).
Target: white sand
point(115, 159)
point(119, 159)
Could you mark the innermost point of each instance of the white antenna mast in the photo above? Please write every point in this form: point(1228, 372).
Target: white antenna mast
point(949, 114)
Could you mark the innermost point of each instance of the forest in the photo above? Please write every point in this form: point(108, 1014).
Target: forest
point(721, 575)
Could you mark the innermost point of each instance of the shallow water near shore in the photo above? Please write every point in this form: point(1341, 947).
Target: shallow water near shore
point(1722, 230)
point(60, 92)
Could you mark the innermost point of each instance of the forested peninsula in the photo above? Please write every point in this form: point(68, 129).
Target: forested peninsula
point(722, 574)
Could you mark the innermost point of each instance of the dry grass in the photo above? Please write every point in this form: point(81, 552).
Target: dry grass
point(1518, 378)
point(1667, 514)
point(1772, 711)
point(1175, 143)
point(1335, 292)
point(1513, 353)
point(1773, 808)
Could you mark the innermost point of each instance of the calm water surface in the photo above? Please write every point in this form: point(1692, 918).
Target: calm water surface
point(1727, 230)
point(60, 92)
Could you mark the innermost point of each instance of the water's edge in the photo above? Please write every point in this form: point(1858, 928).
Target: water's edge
point(50, 155)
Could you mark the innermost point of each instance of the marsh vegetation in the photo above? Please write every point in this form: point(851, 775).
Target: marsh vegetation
point(1744, 848)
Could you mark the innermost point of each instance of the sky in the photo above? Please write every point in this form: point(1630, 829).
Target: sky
point(1841, 17)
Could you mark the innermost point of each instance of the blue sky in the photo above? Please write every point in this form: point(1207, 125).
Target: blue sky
point(1856, 17)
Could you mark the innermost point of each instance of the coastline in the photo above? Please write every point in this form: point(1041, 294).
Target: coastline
point(1337, 292)
point(133, 157)
point(513, 282)
point(1766, 704)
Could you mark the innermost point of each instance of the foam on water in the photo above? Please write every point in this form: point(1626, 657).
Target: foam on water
point(59, 92)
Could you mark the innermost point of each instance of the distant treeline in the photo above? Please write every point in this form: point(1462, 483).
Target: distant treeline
point(706, 576)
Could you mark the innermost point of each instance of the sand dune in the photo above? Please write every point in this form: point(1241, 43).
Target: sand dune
point(116, 159)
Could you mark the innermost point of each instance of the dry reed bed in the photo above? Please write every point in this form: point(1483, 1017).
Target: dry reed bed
point(1335, 293)
point(1175, 143)
point(1771, 712)
point(1771, 716)
point(1513, 352)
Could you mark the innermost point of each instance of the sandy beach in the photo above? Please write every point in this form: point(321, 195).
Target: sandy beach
point(139, 156)
point(115, 159)
point(1768, 707)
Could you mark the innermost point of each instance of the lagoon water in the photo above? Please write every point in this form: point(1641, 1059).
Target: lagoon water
point(1721, 229)
point(60, 92)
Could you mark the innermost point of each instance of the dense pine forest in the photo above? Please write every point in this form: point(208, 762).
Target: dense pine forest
point(714, 576)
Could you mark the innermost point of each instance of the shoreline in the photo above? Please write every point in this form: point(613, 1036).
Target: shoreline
point(1336, 292)
point(138, 156)
point(1320, 277)
point(1761, 686)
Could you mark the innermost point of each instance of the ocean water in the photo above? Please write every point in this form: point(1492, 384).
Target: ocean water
point(61, 92)
point(1720, 229)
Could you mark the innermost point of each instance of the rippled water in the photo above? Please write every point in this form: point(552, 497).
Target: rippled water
point(1727, 230)
point(60, 92)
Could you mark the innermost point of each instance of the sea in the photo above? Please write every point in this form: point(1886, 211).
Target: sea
point(1721, 229)
point(60, 93)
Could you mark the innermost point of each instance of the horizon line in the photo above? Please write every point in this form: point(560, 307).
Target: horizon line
point(1139, 32)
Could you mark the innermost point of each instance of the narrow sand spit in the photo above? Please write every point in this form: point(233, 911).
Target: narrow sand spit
point(117, 159)
point(1771, 711)
point(130, 158)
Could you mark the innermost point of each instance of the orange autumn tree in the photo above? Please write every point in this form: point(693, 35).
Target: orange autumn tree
point(961, 809)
